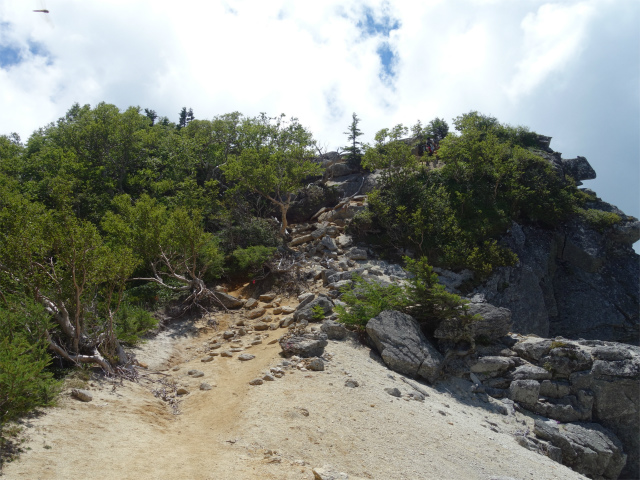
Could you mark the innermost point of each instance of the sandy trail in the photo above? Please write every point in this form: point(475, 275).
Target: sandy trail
point(279, 430)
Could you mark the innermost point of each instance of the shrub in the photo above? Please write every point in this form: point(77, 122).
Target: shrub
point(25, 382)
point(599, 219)
point(131, 322)
point(366, 300)
point(317, 313)
point(250, 260)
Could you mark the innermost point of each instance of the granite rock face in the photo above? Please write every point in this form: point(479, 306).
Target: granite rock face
point(573, 282)
point(403, 346)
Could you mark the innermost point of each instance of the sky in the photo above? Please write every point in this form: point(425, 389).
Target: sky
point(566, 69)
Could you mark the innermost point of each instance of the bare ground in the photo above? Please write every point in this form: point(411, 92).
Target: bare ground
point(279, 430)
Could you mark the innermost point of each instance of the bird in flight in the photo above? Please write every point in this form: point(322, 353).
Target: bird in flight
point(42, 11)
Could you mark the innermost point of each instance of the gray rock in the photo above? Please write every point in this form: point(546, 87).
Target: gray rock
point(182, 391)
point(357, 254)
point(334, 330)
point(492, 365)
point(246, 357)
point(329, 243)
point(588, 448)
point(351, 383)
point(553, 389)
point(532, 348)
point(494, 324)
point(267, 297)
point(315, 364)
point(258, 312)
point(300, 240)
point(205, 386)
point(305, 298)
point(304, 346)
point(228, 334)
point(530, 372)
point(256, 381)
point(208, 358)
point(227, 300)
point(525, 392)
point(394, 392)
point(251, 303)
point(578, 168)
point(268, 378)
point(82, 395)
point(307, 313)
point(402, 345)
point(195, 373)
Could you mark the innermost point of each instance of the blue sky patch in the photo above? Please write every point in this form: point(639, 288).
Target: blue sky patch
point(11, 55)
point(371, 26)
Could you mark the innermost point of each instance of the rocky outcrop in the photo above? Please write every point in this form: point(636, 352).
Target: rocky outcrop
point(567, 381)
point(402, 345)
point(573, 282)
point(587, 448)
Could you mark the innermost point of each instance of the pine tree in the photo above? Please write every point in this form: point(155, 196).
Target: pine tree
point(354, 150)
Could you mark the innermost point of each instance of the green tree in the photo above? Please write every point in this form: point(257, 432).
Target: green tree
point(354, 148)
point(392, 154)
point(276, 159)
point(438, 129)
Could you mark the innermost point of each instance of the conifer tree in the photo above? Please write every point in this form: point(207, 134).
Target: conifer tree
point(354, 150)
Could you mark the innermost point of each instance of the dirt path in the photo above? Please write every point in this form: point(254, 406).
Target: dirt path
point(279, 430)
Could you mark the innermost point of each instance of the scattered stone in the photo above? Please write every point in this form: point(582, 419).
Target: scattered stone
point(267, 297)
point(182, 391)
point(256, 342)
point(258, 312)
point(334, 330)
point(246, 357)
point(228, 334)
point(261, 326)
point(227, 300)
point(394, 392)
point(195, 373)
point(256, 381)
point(305, 298)
point(357, 254)
point(305, 345)
point(268, 378)
point(226, 353)
point(205, 386)
point(251, 303)
point(82, 395)
point(207, 359)
point(351, 383)
point(275, 340)
point(306, 312)
point(286, 310)
point(315, 364)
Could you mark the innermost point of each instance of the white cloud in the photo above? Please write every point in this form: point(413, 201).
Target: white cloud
point(553, 37)
point(309, 59)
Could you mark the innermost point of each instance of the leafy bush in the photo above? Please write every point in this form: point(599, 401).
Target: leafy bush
point(132, 321)
point(599, 219)
point(250, 260)
point(317, 313)
point(423, 298)
point(25, 382)
point(366, 299)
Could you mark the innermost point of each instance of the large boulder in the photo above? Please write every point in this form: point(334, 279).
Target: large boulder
point(226, 300)
point(307, 313)
point(402, 345)
point(303, 345)
point(587, 448)
point(494, 323)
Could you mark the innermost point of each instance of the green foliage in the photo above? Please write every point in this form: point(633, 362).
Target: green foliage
point(391, 154)
point(275, 162)
point(431, 301)
point(438, 129)
point(354, 149)
point(454, 215)
point(365, 300)
point(25, 382)
point(599, 219)
point(132, 321)
point(317, 313)
point(423, 297)
point(251, 260)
